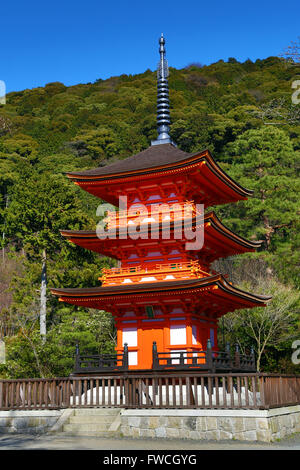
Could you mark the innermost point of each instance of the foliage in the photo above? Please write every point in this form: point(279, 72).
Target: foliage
point(265, 327)
point(232, 108)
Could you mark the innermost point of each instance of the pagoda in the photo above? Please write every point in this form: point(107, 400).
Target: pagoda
point(164, 296)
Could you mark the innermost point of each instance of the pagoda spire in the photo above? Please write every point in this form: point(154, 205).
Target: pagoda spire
point(163, 104)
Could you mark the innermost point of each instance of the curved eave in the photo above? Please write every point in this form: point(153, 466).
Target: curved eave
point(108, 294)
point(235, 243)
point(226, 232)
point(186, 163)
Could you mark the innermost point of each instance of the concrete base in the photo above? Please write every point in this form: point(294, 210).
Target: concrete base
point(195, 424)
point(31, 421)
point(242, 425)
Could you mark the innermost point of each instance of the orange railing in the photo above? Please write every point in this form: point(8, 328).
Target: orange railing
point(155, 213)
point(160, 272)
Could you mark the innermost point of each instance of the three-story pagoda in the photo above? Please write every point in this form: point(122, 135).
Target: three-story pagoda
point(164, 291)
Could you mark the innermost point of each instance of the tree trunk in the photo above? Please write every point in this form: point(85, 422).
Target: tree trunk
point(43, 305)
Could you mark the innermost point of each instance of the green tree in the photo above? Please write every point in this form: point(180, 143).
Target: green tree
point(264, 160)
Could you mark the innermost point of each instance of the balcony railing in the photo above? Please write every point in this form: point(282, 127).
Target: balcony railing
point(205, 360)
point(160, 272)
point(157, 213)
point(208, 360)
point(101, 362)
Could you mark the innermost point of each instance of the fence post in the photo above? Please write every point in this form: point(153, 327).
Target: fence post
point(1, 395)
point(181, 359)
point(125, 357)
point(261, 380)
point(155, 360)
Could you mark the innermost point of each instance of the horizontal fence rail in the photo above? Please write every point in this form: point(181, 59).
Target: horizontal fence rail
point(210, 360)
point(101, 362)
point(250, 391)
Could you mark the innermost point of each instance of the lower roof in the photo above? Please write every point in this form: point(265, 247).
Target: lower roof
point(86, 295)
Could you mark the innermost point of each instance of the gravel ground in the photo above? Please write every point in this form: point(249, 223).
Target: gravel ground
point(63, 442)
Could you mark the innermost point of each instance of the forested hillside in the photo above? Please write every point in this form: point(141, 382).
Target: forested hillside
point(241, 112)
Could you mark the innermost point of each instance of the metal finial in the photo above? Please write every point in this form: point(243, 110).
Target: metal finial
point(162, 69)
point(163, 111)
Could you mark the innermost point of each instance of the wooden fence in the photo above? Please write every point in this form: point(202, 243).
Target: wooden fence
point(208, 360)
point(185, 390)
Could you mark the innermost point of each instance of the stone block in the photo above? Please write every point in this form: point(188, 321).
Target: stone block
point(238, 424)
point(239, 436)
point(225, 435)
point(176, 422)
point(262, 424)
point(249, 424)
point(149, 433)
point(297, 423)
point(184, 433)
point(144, 422)
point(163, 421)
point(135, 432)
point(153, 422)
point(250, 436)
point(5, 422)
point(274, 425)
point(211, 423)
point(7, 430)
point(263, 435)
point(201, 423)
point(172, 433)
point(126, 430)
point(213, 435)
point(23, 423)
point(197, 435)
point(124, 419)
point(160, 432)
point(225, 424)
point(134, 421)
point(190, 423)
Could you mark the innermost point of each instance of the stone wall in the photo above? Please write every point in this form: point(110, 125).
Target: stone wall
point(31, 422)
point(244, 425)
point(197, 424)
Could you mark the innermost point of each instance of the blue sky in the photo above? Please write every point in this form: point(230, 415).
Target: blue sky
point(78, 42)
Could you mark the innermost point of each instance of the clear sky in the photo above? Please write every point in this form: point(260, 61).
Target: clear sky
point(78, 42)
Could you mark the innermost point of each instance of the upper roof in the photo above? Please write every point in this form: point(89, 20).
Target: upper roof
point(156, 159)
point(153, 156)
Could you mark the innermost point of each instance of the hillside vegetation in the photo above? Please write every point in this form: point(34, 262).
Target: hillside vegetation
point(241, 112)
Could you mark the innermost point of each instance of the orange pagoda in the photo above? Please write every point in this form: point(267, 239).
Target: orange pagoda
point(164, 296)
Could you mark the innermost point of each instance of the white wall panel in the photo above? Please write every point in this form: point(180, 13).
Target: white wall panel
point(177, 334)
point(132, 358)
point(130, 336)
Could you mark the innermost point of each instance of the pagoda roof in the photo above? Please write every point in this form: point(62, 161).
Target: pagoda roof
point(216, 234)
point(163, 159)
point(153, 156)
point(217, 286)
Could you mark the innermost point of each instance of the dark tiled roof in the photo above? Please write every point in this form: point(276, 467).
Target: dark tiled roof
point(151, 157)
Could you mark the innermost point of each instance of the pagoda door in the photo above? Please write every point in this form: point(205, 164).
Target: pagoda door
point(146, 338)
